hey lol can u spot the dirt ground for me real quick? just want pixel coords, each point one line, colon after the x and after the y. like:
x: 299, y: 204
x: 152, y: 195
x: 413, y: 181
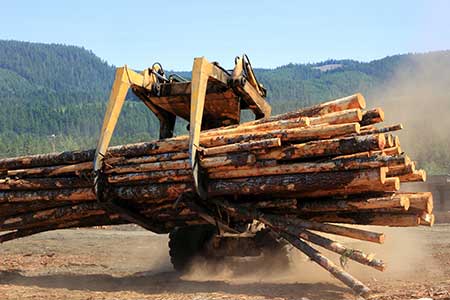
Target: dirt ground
x: 134, y: 264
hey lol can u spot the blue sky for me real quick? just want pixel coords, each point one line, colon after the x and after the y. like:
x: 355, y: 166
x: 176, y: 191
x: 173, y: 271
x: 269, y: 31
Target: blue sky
x: 272, y: 33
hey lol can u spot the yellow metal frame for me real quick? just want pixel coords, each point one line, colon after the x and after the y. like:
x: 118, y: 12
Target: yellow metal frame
x: 202, y: 72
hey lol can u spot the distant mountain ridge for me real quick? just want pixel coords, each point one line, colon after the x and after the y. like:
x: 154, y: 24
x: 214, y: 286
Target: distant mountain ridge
x: 53, y: 89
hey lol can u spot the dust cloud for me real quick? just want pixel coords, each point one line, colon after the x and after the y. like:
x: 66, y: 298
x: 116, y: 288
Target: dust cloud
x: 405, y: 253
x: 418, y: 96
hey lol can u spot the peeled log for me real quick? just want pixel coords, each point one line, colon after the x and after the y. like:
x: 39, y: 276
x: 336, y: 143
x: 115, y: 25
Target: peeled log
x: 146, y: 159
x: 268, y: 126
x: 421, y: 201
x: 44, y: 183
x: 352, y: 205
x: 53, y: 170
x: 367, y: 218
x: 339, y: 146
x: 339, y: 117
x: 156, y: 166
x: 383, y: 129
x: 353, y: 101
x: 390, y: 184
x: 48, y: 215
x: 294, y: 134
x: 237, y: 159
x: 153, y: 177
x: 418, y: 175
x: 311, y: 167
x: 239, y: 147
x: 401, y: 169
x: 299, y: 183
x: 77, y: 194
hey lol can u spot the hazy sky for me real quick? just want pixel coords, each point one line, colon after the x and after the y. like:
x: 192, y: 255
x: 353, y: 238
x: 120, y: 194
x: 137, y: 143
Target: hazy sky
x: 272, y: 33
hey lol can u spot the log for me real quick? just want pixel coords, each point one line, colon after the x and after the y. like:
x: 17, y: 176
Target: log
x: 73, y: 212
x: 268, y: 126
x: 354, y: 254
x: 75, y: 194
x: 311, y: 167
x: 390, y: 184
x: 368, y: 218
x: 83, y: 222
x: 388, y: 151
x: 293, y: 134
x: 401, y: 169
x: 156, y: 166
x: 339, y: 117
x: 389, y: 140
x: 372, y: 116
x: 339, y: 146
x: 152, y: 177
x: 353, y: 204
x: 418, y: 175
x: 240, y: 147
x: 278, y: 222
x: 383, y: 129
x: 121, y: 160
x: 357, y: 286
x: 299, y: 183
x: 350, y: 102
x: 426, y: 219
x: 44, y: 183
x: 237, y: 159
x: 268, y: 204
x: 52, y: 170
x: 421, y: 201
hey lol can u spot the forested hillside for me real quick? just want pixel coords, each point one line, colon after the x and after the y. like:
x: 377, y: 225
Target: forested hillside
x: 54, y: 96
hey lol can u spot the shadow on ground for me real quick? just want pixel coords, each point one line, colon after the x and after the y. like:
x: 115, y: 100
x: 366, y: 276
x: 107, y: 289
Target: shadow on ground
x: 171, y: 282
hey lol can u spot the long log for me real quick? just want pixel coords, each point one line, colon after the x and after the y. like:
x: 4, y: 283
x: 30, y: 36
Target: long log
x: 328, y: 265
x: 45, y: 183
x: 236, y: 159
x: 350, y: 102
x: 311, y: 167
x: 74, y: 194
x: 73, y: 212
x: 339, y: 117
x: 82, y: 222
x: 390, y: 184
x: 401, y: 169
x: 418, y: 175
x: 239, y: 147
x: 354, y: 254
x: 383, y: 129
x: 294, y: 134
x: 156, y: 166
x: 333, y: 147
x: 352, y: 205
x: 277, y: 221
x: 367, y: 218
x: 52, y: 170
x: 121, y: 160
x: 268, y: 126
x: 299, y: 183
x: 152, y: 177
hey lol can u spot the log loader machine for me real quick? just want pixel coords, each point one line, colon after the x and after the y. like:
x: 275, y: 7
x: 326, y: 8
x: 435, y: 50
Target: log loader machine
x: 214, y: 97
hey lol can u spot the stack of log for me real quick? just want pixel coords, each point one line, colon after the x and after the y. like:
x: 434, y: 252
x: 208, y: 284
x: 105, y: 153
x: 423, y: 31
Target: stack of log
x: 294, y: 172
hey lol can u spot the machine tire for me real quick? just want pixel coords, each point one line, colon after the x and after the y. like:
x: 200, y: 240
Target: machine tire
x: 185, y: 243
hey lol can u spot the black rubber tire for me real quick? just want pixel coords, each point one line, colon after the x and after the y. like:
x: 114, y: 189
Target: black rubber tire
x: 185, y: 243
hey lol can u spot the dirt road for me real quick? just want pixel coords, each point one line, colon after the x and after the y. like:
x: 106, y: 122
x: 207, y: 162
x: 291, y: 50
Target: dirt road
x: 134, y: 264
